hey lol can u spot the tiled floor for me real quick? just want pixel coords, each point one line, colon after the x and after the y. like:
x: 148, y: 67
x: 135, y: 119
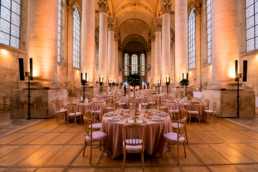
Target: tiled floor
x: 250, y: 123
x: 48, y: 146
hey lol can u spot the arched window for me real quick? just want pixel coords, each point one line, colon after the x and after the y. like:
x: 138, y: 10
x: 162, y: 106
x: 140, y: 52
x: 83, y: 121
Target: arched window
x: 209, y: 41
x: 134, y: 64
x: 10, y: 15
x: 76, y: 38
x: 251, y: 16
x: 191, y: 40
x: 142, y: 62
x: 126, y: 64
x: 59, y: 30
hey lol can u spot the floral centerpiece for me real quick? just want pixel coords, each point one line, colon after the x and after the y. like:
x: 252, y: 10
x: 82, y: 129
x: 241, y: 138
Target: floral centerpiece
x: 134, y: 80
x: 184, y: 82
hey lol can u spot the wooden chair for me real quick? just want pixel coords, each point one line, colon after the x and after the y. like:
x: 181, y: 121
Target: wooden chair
x: 72, y: 113
x: 178, y: 116
x: 108, y: 108
x: 92, y: 136
x: 194, y: 111
x: 173, y: 110
x: 97, y: 110
x: 178, y: 137
x: 163, y: 108
x: 133, y: 142
x: 211, y: 113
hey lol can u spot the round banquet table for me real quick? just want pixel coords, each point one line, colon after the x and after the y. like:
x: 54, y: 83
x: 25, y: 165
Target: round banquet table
x: 153, y: 133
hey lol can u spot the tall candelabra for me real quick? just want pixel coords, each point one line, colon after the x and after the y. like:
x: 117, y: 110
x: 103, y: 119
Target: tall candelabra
x: 167, y: 82
x: 83, y: 82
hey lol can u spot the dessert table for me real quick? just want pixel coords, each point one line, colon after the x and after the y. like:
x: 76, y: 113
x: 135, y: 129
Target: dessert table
x: 156, y: 126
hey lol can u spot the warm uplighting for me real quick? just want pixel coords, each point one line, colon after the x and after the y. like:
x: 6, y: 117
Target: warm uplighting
x: 4, y: 52
x: 231, y: 71
x: 35, y: 73
x: 232, y: 74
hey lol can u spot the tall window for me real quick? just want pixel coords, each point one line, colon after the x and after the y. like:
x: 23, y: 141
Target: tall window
x: 191, y: 40
x: 59, y: 31
x: 10, y: 15
x: 134, y: 64
x: 126, y: 64
x: 76, y: 38
x: 142, y: 62
x: 209, y: 48
x: 251, y: 25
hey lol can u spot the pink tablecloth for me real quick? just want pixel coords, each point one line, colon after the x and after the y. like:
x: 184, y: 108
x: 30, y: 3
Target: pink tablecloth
x: 153, y: 136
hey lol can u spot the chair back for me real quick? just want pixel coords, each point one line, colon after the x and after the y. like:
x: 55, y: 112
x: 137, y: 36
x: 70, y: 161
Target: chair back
x: 88, y: 127
x: 207, y: 103
x: 183, y: 113
x: 71, y: 108
x: 181, y: 130
x: 195, y: 103
x: 98, y: 105
x: 134, y: 135
x: 214, y: 107
x: 194, y: 107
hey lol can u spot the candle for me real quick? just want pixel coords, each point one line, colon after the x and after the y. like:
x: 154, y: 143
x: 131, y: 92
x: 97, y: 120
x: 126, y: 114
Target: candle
x: 182, y: 75
x: 86, y: 77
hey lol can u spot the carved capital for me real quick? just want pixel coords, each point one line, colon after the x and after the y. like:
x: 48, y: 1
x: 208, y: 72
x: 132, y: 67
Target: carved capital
x: 165, y: 7
x: 111, y: 23
x: 197, y: 7
x: 103, y: 6
x: 70, y: 4
x: 158, y: 24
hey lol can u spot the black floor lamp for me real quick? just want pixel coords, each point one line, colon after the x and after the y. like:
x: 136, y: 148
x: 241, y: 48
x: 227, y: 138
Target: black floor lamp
x: 30, y: 77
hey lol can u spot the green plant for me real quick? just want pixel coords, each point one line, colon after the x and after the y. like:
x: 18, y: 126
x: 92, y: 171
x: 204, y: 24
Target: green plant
x: 184, y: 82
x: 117, y: 84
x: 113, y: 83
x: 134, y: 80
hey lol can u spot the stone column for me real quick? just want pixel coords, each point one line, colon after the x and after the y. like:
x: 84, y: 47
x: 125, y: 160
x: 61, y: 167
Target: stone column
x: 111, y: 53
x: 152, y: 59
x: 103, y: 35
x: 88, y: 39
x: 165, y: 8
x: 158, y: 63
x: 42, y: 38
x: 225, y: 39
x: 181, y: 44
x: 120, y: 63
x: 116, y: 58
x: 198, y: 36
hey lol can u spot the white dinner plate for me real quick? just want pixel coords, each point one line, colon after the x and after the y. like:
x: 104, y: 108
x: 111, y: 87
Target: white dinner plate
x: 115, y: 119
x: 131, y: 121
x: 157, y: 119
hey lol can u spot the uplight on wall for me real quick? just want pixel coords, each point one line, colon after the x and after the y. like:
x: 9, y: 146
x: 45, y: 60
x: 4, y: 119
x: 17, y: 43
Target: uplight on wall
x: 4, y: 52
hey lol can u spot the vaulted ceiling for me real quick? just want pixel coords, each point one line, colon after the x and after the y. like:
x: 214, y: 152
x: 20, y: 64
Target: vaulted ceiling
x: 135, y: 19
